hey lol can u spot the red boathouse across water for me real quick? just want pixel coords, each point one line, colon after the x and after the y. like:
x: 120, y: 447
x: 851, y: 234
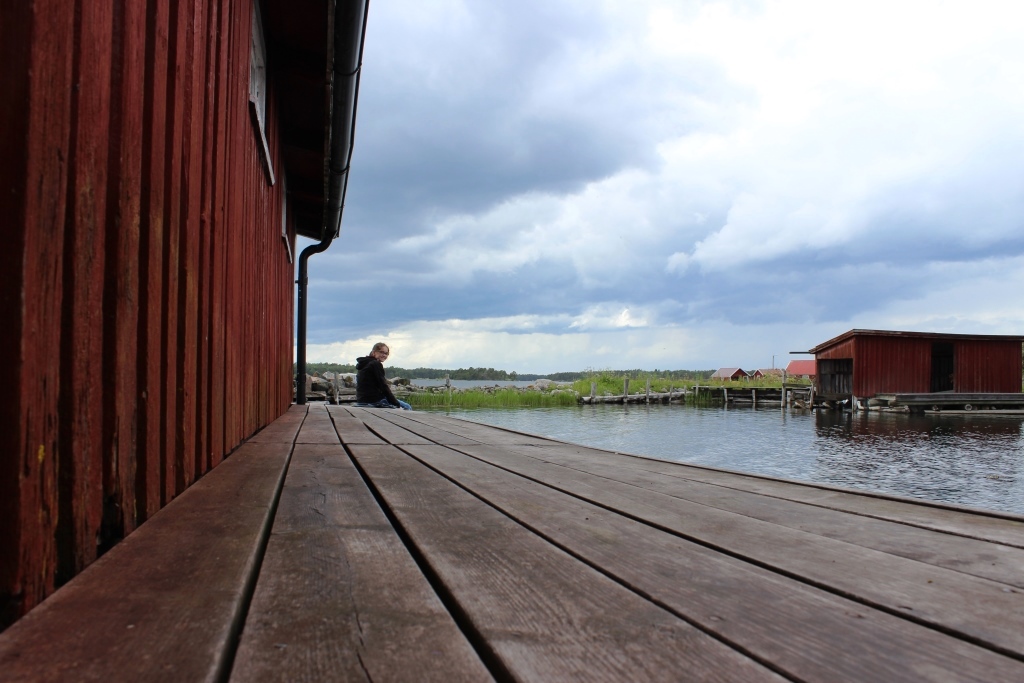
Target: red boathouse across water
x: 865, y: 363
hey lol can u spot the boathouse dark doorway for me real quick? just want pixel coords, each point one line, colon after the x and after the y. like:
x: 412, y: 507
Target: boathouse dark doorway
x: 835, y: 377
x: 942, y: 366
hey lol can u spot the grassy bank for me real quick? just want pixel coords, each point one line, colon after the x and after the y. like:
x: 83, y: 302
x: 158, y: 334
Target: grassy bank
x: 612, y: 383
x: 499, y: 398
x: 607, y: 383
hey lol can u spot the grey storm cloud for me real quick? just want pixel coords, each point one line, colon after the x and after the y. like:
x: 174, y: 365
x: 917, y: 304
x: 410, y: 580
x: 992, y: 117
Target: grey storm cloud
x: 459, y: 126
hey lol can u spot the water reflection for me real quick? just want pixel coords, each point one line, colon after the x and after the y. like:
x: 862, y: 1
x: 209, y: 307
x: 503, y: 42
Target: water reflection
x: 970, y: 460
x: 967, y: 460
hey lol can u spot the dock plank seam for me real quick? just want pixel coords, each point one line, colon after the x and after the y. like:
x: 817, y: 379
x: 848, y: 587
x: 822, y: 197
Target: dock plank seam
x: 223, y: 671
x: 683, y: 467
x: 938, y: 505
x: 583, y: 553
x: 767, y: 663
x: 701, y: 500
x: 994, y: 514
x: 397, y: 419
x: 495, y: 667
x: 742, y: 506
x: 881, y: 518
x: 168, y: 602
x: 651, y: 462
x: 834, y: 590
x: 934, y: 622
x: 747, y: 503
x: 543, y: 609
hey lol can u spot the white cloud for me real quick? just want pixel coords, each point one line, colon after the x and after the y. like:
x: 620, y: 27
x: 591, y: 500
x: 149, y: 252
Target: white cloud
x: 611, y: 316
x: 677, y: 263
x: 463, y: 343
x: 849, y: 110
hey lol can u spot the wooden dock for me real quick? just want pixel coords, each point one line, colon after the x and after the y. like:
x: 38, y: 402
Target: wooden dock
x: 349, y: 544
x: 950, y: 402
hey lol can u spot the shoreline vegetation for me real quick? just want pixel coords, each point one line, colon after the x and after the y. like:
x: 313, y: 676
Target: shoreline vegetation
x: 551, y: 390
x: 554, y: 394
x: 490, y: 374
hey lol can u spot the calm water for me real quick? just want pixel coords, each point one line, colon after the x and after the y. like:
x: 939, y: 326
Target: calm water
x: 975, y: 461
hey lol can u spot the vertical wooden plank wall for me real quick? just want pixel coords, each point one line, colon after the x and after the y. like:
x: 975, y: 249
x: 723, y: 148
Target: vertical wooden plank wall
x: 35, y: 102
x: 146, y: 293
x: 986, y: 366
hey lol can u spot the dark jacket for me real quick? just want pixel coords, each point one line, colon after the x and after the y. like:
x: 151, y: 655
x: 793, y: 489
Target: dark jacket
x: 371, y: 385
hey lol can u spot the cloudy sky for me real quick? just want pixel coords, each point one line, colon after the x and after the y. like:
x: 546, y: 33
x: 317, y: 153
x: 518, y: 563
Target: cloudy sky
x: 549, y: 185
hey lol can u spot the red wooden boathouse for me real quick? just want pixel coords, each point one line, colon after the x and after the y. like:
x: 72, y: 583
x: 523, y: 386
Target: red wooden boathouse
x: 865, y: 363
x: 159, y: 158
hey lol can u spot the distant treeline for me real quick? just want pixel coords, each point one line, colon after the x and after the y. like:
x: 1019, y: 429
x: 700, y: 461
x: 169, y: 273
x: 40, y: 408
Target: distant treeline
x: 321, y: 368
x: 502, y: 375
x: 461, y: 373
x: 423, y: 373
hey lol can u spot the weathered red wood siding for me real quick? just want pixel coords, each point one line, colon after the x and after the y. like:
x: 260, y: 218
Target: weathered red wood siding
x: 903, y: 364
x: 146, y: 293
x: 891, y: 364
x: 843, y: 349
x: 987, y: 366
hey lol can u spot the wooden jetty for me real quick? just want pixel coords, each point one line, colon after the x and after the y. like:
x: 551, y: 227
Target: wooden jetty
x: 951, y: 402
x: 697, y: 394
x: 343, y: 543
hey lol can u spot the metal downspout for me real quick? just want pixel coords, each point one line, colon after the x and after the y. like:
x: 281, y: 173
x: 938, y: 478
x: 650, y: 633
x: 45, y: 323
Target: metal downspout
x: 347, y: 61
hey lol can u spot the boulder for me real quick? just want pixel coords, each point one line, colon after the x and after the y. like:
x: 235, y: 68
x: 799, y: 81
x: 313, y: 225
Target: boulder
x: 543, y: 383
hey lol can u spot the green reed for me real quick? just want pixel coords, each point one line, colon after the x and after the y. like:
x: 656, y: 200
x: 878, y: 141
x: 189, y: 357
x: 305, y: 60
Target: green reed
x: 612, y: 384
x: 500, y: 398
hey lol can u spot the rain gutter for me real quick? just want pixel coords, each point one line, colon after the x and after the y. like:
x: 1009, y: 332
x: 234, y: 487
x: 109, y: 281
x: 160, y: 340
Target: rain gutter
x: 345, y: 54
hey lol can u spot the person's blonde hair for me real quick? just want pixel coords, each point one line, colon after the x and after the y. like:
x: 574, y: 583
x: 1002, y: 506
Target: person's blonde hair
x: 380, y: 345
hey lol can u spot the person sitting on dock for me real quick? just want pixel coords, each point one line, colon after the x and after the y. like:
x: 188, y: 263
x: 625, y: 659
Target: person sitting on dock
x: 372, y: 390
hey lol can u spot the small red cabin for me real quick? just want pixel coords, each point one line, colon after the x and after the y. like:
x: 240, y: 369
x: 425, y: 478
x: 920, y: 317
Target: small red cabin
x: 726, y: 374
x: 865, y: 363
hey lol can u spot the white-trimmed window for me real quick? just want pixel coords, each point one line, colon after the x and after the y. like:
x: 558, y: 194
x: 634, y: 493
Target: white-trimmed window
x: 258, y: 89
x: 284, y: 216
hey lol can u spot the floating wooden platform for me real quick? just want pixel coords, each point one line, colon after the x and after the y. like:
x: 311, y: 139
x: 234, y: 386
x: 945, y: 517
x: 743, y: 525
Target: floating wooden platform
x: 354, y: 544
x: 949, y: 401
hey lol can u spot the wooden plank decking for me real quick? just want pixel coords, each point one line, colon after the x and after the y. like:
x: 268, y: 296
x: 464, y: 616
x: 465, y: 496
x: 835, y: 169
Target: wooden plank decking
x: 355, y: 544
